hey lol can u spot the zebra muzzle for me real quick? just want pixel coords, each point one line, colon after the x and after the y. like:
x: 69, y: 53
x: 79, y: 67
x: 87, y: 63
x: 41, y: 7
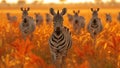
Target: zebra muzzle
x: 25, y: 20
x: 76, y: 21
x: 58, y: 29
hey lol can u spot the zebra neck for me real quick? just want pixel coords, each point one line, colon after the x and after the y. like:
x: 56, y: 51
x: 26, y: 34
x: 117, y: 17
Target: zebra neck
x: 94, y: 17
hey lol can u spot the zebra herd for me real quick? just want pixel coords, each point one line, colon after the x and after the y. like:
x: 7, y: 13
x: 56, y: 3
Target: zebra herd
x: 60, y: 40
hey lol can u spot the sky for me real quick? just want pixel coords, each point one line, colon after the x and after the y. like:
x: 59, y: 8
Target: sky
x: 58, y: 1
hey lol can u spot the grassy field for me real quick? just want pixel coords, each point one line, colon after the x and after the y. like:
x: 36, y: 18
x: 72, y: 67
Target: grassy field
x: 17, y: 53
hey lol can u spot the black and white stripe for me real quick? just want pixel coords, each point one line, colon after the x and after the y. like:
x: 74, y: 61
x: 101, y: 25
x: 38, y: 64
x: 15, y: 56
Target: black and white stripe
x: 27, y: 26
x: 95, y: 25
x: 11, y: 19
x: 70, y: 18
x: 78, y: 22
x: 60, y: 41
x: 38, y: 19
x: 48, y: 18
x: 108, y: 17
x: 118, y: 17
x: 24, y: 11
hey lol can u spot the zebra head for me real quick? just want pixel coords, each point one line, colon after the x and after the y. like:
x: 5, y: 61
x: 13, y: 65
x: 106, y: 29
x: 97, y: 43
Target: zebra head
x: 76, y: 17
x: 76, y: 13
x: 94, y: 24
x: 58, y: 19
x: 108, y: 14
x: 94, y: 12
x: 70, y: 17
x: 25, y: 11
x: 118, y: 13
x: 8, y: 16
x: 47, y: 14
x: 25, y: 22
x: 37, y: 15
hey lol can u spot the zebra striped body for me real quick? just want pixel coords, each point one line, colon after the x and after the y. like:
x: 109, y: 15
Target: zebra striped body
x: 27, y: 26
x: 108, y: 18
x: 60, y: 41
x: 39, y: 19
x: 95, y: 26
x: 118, y: 17
x: 70, y: 18
x: 11, y: 19
x: 78, y: 22
x: 48, y: 18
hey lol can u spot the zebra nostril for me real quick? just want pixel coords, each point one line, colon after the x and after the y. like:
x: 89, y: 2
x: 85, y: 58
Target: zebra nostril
x: 76, y: 21
x: 36, y: 20
x: 25, y: 20
x: 58, y: 29
x: 94, y: 21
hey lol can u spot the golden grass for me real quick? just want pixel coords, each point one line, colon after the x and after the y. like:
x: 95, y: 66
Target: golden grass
x: 17, y: 53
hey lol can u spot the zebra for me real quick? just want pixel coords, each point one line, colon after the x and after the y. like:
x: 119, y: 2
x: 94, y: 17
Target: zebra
x: 60, y: 41
x: 118, y: 17
x: 24, y: 11
x: 11, y: 19
x: 39, y: 19
x: 95, y: 25
x: 78, y: 22
x: 27, y: 26
x: 108, y: 17
x: 70, y: 17
x: 48, y: 18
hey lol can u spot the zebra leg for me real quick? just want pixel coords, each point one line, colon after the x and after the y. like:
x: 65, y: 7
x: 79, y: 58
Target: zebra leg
x: 64, y: 62
x: 64, y: 56
x: 31, y: 36
x: 24, y: 36
x: 79, y: 31
x: 58, y: 61
x: 53, y: 59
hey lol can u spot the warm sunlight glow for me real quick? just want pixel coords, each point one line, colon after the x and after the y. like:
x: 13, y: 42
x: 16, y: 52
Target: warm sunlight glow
x: 58, y: 1
x: 79, y: 1
x: 106, y: 1
x: 39, y: 1
x: 0, y: 1
x: 29, y: 1
x: 51, y: 1
x: 12, y: 1
x: 118, y: 1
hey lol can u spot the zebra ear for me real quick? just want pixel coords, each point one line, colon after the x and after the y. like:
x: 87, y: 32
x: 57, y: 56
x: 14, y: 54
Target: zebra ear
x: 74, y: 11
x: 21, y: 8
x: 92, y: 9
x: 105, y: 13
x: 64, y: 10
x: 28, y: 9
x: 78, y: 11
x: 7, y: 13
x: 38, y: 13
x: 52, y: 11
x: 97, y: 9
x: 35, y: 13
